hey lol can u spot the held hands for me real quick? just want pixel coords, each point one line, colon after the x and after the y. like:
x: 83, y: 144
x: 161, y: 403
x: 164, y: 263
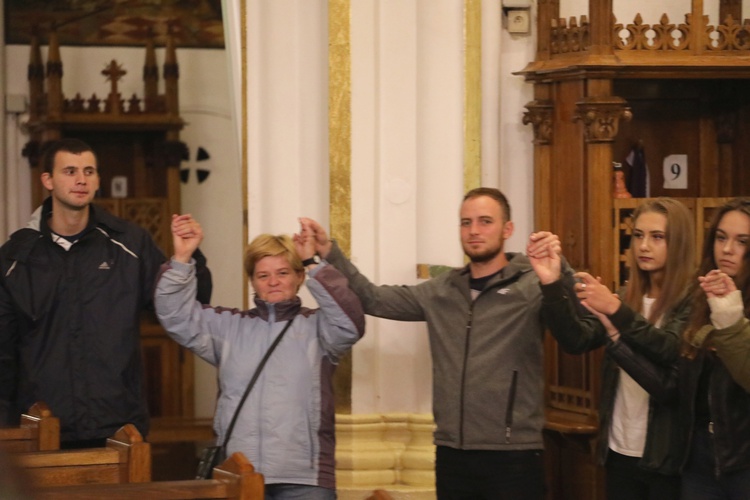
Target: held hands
x: 724, y: 300
x: 318, y: 235
x: 717, y: 284
x: 543, y: 250
x: 187, y: 234
x: 304, y: 242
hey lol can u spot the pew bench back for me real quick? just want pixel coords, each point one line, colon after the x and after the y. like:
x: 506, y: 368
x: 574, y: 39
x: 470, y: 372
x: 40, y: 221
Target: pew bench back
x: 126, y: 458
x: 235, y: 479
x: 39, y: 430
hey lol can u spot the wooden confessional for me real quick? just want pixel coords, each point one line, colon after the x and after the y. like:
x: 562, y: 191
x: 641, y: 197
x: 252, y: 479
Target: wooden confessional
x: 603, y: 88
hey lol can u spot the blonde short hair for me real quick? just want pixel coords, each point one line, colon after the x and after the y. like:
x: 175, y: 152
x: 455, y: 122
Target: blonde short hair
x: 269, y: 245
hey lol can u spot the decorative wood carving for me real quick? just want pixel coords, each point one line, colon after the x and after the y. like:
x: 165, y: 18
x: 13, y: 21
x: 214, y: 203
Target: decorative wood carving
x: 539, y: 115
x: 573, y: 38
x: 662, y: 36
x: 601, y: 117
x: 729, y: 36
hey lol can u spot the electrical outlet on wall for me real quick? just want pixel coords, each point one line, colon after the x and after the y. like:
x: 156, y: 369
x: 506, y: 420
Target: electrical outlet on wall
x: 518, y: 20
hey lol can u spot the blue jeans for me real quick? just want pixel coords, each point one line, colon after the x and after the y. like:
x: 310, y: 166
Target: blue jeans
x: 489, y: 474
x: 298, y: 492
x: 699, y: 481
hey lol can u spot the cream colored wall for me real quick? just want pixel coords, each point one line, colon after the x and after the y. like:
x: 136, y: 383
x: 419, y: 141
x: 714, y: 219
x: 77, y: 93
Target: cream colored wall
x: 407, y: 151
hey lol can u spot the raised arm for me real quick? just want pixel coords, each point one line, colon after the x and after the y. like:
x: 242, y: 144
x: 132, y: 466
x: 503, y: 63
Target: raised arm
x: 731, y: 337
x: 543, y: 250
x: 658, y: 380
x: 658, y: 343
x: 196, y: 327
x: 385, y: 301
x: 187, y: 234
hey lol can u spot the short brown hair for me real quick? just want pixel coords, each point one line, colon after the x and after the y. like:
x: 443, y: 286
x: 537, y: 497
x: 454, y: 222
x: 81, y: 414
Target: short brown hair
x: 68, y: 145
x: 493, y: 193
x: 269, y: 245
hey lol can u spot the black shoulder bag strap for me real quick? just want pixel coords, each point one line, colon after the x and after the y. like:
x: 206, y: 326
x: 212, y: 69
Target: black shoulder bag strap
x: 252, y: 382
x: 214, y: 455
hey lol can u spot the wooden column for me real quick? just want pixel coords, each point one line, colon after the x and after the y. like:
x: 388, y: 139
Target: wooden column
x: 600, y: 17
x: 539, y: 114
x: 600, y: 113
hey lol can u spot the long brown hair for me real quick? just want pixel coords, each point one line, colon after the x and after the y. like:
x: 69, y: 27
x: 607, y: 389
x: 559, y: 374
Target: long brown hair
x: 701, y: 312
x: 678, y: 268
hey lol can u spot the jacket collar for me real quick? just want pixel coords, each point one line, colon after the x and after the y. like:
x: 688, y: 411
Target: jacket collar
x: 517, y: 264
x: 98, y: 217
x: 281, y: 311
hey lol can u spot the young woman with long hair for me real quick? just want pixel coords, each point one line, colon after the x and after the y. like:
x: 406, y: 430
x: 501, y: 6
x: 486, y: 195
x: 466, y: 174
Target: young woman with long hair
x: 635, y: 432
x: 712, y: 376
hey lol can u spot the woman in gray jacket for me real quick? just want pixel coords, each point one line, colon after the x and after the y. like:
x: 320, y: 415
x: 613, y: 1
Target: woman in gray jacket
x: 286, y: 425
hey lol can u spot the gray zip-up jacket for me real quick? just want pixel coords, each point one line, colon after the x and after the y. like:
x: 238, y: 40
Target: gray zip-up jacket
x: 487, y: 353
x: 286, y: 425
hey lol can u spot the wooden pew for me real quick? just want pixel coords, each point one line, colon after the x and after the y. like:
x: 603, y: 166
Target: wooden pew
x: 234, y: 479
x: 39, y: 430
x: 125, y: 459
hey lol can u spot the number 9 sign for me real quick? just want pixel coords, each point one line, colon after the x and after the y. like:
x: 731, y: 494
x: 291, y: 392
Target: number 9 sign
x: 675, y: 172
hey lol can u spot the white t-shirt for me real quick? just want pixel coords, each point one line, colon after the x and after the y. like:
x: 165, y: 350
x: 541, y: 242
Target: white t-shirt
x: 627, y: 433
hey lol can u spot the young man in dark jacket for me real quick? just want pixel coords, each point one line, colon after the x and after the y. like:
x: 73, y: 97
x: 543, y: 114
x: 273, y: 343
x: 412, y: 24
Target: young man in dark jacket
x: 72, y: 286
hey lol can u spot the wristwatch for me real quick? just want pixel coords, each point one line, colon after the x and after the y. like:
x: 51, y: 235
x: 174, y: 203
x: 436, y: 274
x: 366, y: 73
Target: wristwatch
x: 311, y: 261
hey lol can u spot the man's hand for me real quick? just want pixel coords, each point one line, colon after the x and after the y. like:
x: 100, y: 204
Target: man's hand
x: 543, y: 250
x: 187, y: 234
x: 318, y: 233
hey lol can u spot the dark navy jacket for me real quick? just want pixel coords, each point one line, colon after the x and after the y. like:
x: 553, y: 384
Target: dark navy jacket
x: 69, y: 324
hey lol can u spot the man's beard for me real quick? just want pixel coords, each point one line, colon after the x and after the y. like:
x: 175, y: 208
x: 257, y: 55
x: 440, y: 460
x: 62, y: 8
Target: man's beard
x: 486, y: 256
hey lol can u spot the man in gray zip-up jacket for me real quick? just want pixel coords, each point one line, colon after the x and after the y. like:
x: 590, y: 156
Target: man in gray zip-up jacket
x: 486, y: 337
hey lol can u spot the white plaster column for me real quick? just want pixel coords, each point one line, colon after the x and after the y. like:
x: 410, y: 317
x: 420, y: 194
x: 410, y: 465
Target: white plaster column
x: 287, y: 138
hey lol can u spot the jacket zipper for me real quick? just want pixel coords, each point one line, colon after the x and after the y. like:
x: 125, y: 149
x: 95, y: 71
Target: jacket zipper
x: 271, y: 322
x: 511, y: 403
x: 463, y: 377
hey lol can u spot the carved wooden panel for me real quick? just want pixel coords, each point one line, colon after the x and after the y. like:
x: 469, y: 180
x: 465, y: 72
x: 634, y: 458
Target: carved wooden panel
x: 573, y: 35
x: 152, y: 214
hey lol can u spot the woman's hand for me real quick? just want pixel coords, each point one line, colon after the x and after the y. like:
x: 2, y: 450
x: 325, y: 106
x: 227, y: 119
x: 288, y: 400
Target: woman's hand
x: 612, y: 331
x: 304, y: 242
x: 319, y: 236
x: 595, y: 296
x: 187, y: 234
x: 717, y: 284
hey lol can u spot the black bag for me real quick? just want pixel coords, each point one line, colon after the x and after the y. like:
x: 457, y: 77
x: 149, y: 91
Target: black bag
x: 212, y: 456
